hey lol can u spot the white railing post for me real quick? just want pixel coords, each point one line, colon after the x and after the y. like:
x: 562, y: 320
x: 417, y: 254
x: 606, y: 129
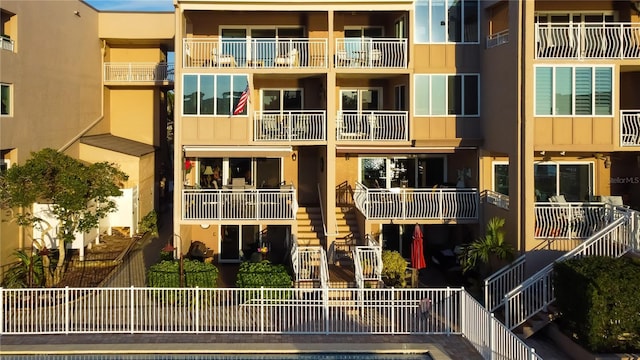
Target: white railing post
x: 325, y: 305
x: 262, y: 309
x: 441, y: 204
x: 67, y: 315
x: 492, y: 337
x: 132, y: 308
x: 393, y: 306
x: 197, y: 312
x: 448, y: 311
x: 463, y: 310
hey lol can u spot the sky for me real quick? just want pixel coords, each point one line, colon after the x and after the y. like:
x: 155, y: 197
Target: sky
x: 132, y: 5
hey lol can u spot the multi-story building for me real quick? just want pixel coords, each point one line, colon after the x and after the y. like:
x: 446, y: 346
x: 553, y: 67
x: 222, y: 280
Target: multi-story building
x: 365, y: 117
x: 92, y: 84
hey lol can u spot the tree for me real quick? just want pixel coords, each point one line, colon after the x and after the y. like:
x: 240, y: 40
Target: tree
x: 68, y: 185
x: 488, y: 249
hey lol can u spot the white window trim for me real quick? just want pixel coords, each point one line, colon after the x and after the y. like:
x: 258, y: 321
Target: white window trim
x: 10, y: 86
x: 493, y: 172
x: 418, y: 21
x: 359, y: 89
x: 282, y: 90
x: 560, y: 163
x: 571, y: 14
x: 197, y: 114
x: 573, y: 89
x: 446, y: 95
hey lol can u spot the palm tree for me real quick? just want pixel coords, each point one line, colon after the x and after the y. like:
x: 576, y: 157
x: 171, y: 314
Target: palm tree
x: 488, y: 249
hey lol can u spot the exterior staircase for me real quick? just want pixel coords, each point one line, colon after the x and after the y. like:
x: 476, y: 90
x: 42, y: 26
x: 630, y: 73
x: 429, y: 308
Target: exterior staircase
x: 348, y: 238
x: 310, y: 227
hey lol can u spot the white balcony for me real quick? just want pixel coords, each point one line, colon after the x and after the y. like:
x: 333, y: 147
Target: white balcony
x: 254, y: 53
x: 497, y: 39
x: 571, y: 220
x: 371, y: 53
x: 6, y: 43
x: 298, y: 125
x: 588, y: 41
x: 630, y: 128
x: 239, y: 204
x: 372, y: 126
x: 137, y: 72
x: 423, y: 204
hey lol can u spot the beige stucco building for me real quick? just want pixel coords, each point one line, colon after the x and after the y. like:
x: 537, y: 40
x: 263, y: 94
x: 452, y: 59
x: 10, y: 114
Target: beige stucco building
x: 92, y: 84
x: 367, y: 117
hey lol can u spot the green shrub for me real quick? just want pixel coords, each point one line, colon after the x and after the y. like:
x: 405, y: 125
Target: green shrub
x: 262, y: 274
x: 598, y: 302
x: 27, y: 272
x: 196, y: 273
x: 394, y: 267
x: 149, y: 223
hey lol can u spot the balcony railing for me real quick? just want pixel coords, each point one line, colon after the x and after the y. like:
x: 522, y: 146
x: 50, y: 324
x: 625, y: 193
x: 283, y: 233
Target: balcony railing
x: 496, y: 198
x: 371, y: 53
x: 497, y: 39
x: 401, y: 203
x: 298, y: 125
x: 588, y: 41
x: 372, y: 126
x: 133, y: 72
x: 6, y: 43
x: 630, y: 128
x: 233, y: 204
x: 255, y: 53
x: 569, y: 220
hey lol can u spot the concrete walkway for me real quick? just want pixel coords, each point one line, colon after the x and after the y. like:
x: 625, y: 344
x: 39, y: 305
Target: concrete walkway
x: 439, y: 347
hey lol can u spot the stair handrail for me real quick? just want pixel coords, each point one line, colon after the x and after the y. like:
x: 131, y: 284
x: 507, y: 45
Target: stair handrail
x: 361, y: 198
x: 295, y: 266
x: 324, y: 269
x: 357, y: 270
x: 502, y: 281
x: 324, y: 222
x: 542, y: 279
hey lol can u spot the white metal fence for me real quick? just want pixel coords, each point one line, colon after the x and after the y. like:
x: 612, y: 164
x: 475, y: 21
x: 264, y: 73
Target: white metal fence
x: 410, y: 203
x: 371, y: 53
x: 496, y: 198
x: 630, y: 128
x: 6, y: 43
x: 497, y: 39
x: 240, y: 204
x: 588, y: 41
x: 298, y: 125
x: 570, y: 220
x: 372, y: 125
x: 489, y: 336
x: 502, y: 281
x: 261, y: 310
x: 537, y: 292
x: 132, y: 72
x: 262, y: 53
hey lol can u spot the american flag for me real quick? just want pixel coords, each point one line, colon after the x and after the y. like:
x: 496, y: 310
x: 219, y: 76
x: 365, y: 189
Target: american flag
x: 242, y: 103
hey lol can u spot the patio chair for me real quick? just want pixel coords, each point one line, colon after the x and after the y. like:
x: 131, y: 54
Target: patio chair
x: 290, y: 59
x: 375, y: 57
x: 342, y: 59
x: 222, y: 60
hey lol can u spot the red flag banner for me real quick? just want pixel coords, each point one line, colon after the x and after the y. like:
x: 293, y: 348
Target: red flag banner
x: 242, y: 103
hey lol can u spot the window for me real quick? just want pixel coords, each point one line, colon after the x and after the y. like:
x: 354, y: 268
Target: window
x: 573, y: 180
x: 394, y: 172
x: 574, y: 91
x: 5, y: 99
x: 215, y: 95
x: 360, y: 100
x: 281, y: 99
x: 501, y: 177
x: 217, y: 173
x: 4, y: 165
x: 440, y: 95
x: 447, y: 21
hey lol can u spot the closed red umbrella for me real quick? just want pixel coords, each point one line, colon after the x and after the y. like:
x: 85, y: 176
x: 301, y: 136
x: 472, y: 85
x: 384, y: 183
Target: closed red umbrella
x: 417, y: 252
